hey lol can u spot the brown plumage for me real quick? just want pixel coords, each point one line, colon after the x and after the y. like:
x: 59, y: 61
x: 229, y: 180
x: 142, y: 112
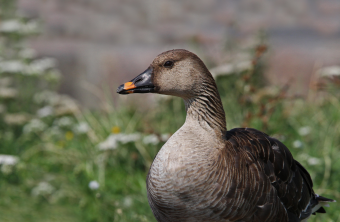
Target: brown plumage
x: 206, y: 173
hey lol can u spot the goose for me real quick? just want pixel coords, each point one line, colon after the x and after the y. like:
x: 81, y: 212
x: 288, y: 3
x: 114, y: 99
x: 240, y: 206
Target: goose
x: 205, y: 172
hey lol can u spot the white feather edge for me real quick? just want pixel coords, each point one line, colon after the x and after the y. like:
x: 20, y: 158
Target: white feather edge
x: 317, y: 207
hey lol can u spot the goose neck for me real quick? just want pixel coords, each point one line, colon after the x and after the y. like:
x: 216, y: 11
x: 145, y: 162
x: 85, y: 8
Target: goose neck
x: 206, y: 110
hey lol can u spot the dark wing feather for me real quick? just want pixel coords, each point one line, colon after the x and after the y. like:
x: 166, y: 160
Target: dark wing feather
x: 282, y: 187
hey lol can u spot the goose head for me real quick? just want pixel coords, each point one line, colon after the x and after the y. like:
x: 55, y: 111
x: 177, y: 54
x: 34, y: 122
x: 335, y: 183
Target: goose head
x: 181, y: 73
x: 176, y: 72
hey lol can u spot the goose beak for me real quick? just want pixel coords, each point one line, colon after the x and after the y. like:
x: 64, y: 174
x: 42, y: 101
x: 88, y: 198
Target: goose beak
x: 141, y: 84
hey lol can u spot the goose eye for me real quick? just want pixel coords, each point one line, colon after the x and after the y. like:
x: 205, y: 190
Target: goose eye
x: 168, y: 64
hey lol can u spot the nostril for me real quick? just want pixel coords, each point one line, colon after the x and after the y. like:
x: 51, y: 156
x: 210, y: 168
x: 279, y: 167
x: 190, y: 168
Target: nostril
x: 138, y: 80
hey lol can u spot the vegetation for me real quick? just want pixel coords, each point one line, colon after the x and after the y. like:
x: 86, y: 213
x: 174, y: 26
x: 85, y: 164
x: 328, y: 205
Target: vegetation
x: 63, y: 163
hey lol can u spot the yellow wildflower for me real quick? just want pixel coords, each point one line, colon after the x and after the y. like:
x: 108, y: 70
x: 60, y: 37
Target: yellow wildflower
x: 61, y: 144
x: 115, y: 130
x: 69, y: 135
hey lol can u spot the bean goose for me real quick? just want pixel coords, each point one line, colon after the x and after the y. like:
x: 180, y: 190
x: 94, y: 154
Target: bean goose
x: 206, y: 173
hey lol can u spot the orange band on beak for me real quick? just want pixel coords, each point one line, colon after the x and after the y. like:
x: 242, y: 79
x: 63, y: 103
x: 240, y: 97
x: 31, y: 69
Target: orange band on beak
x: 129, y: 85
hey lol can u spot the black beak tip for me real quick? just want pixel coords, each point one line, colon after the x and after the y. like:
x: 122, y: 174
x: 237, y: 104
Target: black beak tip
x: 120, y: 89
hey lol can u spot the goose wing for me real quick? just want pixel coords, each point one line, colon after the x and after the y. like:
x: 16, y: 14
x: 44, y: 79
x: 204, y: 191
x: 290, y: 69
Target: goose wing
x: 267, y: 178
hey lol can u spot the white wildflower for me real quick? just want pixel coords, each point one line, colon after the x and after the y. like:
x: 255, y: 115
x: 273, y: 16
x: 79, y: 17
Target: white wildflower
x: 52, y: 75
x: 165, y: 137
x: 46, y: 63
x: 35, y: 125
x: 65, y: 105
x: 54, y: 131
x: 329, y: 71
x: 12, y: 66
x: 39, y: 66
x: 127, y: 138
x: 297, y: 144
x: 16, y: 118
x: 7, y: 163
x: 94, y: 185
x: 8, y: 160
x: 228, y: 69
x: 310, y: 160
x: 10, y: 26
x: 313, y: 161
x: 303, y: 131
x: 63, y: 121
x: 112, y: 141
x: 43, y: 188
x: 127, y: 202
x: 45, y: 111
x: 46, y: 97
x: 27, y: 53
x: 109, y: 144
x: 30, y: 27
x: 151, y: 139
x: 81, y: 128
x: 8, y: 93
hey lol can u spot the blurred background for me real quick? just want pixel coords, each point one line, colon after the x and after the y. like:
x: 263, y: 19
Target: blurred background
x: 108, y: 42
x: 72, y: 150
